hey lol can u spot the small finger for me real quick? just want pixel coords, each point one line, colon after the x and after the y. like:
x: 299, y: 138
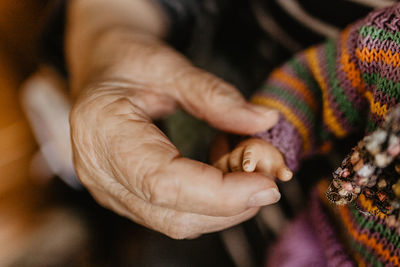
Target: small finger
x: 284, y: 174
x: 235, y: 160
x: 249, y: 159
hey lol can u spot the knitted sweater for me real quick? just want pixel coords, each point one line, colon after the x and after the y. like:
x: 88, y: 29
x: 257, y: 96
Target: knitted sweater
x: 329, y: 91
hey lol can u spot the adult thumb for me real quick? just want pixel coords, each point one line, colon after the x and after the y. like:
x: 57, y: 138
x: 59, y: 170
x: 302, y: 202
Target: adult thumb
x: 211, y: 99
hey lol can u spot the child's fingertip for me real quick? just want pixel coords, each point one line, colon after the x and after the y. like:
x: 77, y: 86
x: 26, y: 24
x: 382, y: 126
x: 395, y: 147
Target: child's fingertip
x: 286, y: 174
x: 247, y: 165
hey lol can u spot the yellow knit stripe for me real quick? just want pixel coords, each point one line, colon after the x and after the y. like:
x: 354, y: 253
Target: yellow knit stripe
x: 376, y: 107
x: 328, y: 114
x: 297, y: 85
x: 289, y: 115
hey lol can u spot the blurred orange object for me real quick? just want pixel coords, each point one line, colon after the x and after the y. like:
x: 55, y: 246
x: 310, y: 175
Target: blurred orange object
x: 16, y: 142
x: 27, y: 223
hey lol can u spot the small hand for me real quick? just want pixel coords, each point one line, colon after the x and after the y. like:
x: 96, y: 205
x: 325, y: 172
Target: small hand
x: 255, y: 155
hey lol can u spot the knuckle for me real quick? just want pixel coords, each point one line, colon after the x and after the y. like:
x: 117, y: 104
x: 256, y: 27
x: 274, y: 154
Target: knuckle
x: 161, y: 191
x: 216, y: 91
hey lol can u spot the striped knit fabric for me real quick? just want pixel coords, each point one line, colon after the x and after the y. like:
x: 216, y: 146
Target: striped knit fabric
x: 332, y: 90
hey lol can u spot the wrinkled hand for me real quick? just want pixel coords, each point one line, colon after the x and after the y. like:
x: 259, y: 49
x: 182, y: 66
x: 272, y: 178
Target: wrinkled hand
x: 255, y: 155
x: 131, y: 167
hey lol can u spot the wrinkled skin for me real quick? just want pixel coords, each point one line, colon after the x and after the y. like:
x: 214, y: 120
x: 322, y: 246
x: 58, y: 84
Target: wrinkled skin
x: 122, y: 79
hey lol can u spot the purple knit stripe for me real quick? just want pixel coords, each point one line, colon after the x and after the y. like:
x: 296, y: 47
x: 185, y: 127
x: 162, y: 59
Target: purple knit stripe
x: 385, y: 45
x: 354, y: 96
x: 335, y: 253
x: 387, y: 71
x: 332, y: 102
x: 358, y: 101
x: 298, y: 246
x: 344, y: 82
x: 286, y: 138
x: 289, y: 90
x: 375, y: 221
x: 352, y: 40
x: 383, y: 98
x: 375, y: 118
x: 371, y: 233
x: 299, y: 114
x: 387, y: 18
x: 287, y: 68
x: 286, y: 87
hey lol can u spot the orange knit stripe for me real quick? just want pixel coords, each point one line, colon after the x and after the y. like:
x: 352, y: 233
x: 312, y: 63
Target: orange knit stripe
x: 328, y: 115
x: 297, y: 85
x: 344, y: 211
x: 363, y: 238
x: 387, y: 57
x: 360, y: 261
x: 349, y: 67
x: 289, y: 115
x: 354, y: 75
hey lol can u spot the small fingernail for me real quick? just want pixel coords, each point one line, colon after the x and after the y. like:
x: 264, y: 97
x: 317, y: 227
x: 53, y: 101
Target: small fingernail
x: 265, y: 197
x: 287, y: 174
x: 268, y: 112
x: 246, y: 164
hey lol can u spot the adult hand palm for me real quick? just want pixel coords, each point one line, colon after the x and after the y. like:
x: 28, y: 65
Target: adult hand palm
x: 131, y: 167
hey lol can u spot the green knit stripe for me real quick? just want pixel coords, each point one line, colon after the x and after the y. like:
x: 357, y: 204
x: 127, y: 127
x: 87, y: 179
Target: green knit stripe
x: 290, y: 99
x: 365, y: 253
x: 341, y: 98
x: 305, y: 75
x: 365, y: 223
x: 371, y: 126
x: 380, y: 34
x: 388, y: 87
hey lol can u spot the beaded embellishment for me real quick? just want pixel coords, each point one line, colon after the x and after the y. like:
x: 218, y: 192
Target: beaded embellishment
x: 372, y: 168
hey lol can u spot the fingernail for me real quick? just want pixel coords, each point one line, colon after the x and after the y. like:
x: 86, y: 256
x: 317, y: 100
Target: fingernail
x: 287, y: 174
x: 268, y: 112
x: 265, y: 197
x: 246, y: 165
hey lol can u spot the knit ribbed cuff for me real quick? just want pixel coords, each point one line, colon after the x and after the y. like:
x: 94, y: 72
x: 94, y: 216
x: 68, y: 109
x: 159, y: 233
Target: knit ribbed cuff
x: 286, y: 138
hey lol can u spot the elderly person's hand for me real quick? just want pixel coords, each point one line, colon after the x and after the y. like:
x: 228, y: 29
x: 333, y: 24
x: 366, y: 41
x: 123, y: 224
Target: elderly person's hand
x: 123, y: 77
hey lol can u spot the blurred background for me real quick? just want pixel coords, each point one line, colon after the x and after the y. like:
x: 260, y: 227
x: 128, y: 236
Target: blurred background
x: 44, y: 222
